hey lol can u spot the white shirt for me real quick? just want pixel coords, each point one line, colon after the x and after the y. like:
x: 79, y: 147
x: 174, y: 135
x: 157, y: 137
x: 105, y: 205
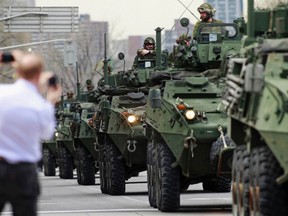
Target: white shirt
x: 26, y: 118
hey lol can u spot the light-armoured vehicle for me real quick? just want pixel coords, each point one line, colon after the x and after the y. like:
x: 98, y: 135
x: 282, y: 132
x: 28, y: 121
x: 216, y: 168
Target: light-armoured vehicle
x: 83, y: 133
x: 50, y: 156
x: 184, y: 122
x: 64, y: 139
x: 256, y: 101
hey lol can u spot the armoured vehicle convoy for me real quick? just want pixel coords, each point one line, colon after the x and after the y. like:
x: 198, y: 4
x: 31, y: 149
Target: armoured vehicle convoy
x: 256, y: 100
x: 185, y: 124
x: 118, y: 123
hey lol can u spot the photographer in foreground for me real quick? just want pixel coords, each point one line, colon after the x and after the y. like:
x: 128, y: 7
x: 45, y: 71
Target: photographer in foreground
x: 25, y: 119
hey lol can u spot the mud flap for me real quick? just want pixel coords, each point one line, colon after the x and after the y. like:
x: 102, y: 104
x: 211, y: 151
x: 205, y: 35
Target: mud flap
x: 225, y: 162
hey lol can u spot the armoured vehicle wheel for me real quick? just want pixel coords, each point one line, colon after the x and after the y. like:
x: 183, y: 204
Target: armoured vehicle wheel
x: 266, y: 196
x: 49, y: 163
x: 168, y: 180
x: 102, y: 168
x: 184, y: 185
x: 235, y: 181
x: 151, y: 175
x: 208, y: 185
x: 65, y: 163
x: 240, y: 178
x: 85, y: 167
x: 220, y: 183
x: 115, y: 171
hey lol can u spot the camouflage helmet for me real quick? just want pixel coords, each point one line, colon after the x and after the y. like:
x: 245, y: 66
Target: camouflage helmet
x: 207, y: 8
x: 70, y: 94
x: 149, y: 40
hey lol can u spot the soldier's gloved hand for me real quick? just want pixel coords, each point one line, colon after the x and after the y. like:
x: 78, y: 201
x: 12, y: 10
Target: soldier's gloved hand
x: 144, y: 52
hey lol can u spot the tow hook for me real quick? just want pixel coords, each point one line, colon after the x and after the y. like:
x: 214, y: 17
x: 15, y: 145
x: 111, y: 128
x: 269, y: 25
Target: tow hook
x: 222, y: 136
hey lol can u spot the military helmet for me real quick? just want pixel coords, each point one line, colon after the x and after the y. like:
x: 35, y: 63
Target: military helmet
x: 69, y: 94
x: 88, y: 82
x: 149, y: 40
x: 207, y: 8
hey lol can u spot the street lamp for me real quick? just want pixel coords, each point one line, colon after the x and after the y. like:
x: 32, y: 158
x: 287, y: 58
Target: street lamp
x: 24, y: 14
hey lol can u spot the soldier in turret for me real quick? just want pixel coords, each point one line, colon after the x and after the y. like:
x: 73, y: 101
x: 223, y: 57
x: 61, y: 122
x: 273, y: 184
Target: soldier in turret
x: 207, y: 13
x: 89, y: 85
x: 147, y: 52
x: 70, y: 95
x: 148, y: 49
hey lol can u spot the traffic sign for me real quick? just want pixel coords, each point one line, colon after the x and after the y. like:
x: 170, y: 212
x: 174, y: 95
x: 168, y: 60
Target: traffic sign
x: 41, y: 19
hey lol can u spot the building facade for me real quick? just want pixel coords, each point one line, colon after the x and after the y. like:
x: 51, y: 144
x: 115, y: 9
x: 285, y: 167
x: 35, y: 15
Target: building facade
x: 18, y: 3
x: 227, y: 10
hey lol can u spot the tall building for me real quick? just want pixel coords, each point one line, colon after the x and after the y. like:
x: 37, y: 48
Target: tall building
x: 227, y: 10
x: 18, y: 3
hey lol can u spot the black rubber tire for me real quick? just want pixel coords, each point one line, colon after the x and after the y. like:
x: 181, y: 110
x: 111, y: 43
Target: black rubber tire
x: 102, y: 169
x: 235, y: 180
x: 242, y: 169
x: 151, y: 175
x: 208, y: 185
x: 65, y: 163
x: 266, y: 196
x: 220, y: 183
x: 168, y: 181
x: 115, y: 171
x: 184, y: 185
x: 85, y: 167
x: 49, y: 163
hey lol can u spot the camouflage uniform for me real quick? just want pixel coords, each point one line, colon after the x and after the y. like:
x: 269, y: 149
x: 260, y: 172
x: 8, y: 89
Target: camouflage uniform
x: 150, y: 55
x: 207, y: 8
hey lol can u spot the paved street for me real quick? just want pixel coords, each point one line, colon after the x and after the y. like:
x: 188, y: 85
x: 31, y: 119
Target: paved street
x: 66, y: 197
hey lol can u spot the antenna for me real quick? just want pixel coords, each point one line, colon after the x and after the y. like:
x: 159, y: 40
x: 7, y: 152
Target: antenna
x: 105, y: 61
x: 77, y: 83
x: 186, y: 8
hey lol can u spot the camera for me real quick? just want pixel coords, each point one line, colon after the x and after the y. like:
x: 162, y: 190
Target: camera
x: 7, y: 57
x: 52, y: 82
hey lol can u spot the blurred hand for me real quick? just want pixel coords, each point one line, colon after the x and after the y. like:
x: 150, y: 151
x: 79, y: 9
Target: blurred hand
x: 52, y: 93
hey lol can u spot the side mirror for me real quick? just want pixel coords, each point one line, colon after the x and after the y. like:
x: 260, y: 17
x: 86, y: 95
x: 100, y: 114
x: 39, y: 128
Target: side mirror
x: 184, y: 22
x: 121, y: 56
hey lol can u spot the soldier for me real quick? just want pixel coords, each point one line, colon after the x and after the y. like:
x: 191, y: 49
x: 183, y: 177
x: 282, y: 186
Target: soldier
x: 206, y: 15
x: 89, y: 85
x: 148, y: 49
x: 147, y: 52
x: 70, y: 95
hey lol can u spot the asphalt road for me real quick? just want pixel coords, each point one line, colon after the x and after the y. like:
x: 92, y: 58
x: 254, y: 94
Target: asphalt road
x: 66, y: 197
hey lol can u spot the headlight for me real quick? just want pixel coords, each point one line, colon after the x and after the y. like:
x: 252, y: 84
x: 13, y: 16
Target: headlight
x: 56, y: 134
x: 132, y: 118
x: 189, y: 114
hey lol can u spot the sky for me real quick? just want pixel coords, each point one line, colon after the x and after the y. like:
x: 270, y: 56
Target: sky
x: 131, y: 17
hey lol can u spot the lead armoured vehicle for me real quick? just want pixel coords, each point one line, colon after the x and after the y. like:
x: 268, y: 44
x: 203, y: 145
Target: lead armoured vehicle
x: 118, y: 123
x: 185, y: 124
x: 256, y: 101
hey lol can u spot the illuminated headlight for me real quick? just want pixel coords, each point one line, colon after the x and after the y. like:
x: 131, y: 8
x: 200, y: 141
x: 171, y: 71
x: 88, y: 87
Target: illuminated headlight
x: 56, y: 134
x: 189, y: 114
x: 132, y: 118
